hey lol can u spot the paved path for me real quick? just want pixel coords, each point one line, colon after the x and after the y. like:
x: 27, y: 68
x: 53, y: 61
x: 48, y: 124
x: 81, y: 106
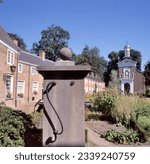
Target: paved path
x: 94, y: 133
x: 97, y: 140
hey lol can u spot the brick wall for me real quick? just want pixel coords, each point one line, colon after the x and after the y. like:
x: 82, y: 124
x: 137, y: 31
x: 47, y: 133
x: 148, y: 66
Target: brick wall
x: 139, y: 84
x: 27, y: 102
x: 5, y: 70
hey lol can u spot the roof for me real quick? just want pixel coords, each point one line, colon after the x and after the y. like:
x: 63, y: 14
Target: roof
x: 96, y: 79
x: 4, y: 37
x: 127, y: 62
x: 32, y: 59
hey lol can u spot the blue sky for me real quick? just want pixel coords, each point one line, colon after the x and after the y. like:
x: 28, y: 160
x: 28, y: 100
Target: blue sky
x: 106, y: 24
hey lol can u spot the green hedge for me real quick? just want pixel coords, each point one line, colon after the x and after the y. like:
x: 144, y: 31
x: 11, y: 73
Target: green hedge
x: 16, y: 128
x: 141, y: 119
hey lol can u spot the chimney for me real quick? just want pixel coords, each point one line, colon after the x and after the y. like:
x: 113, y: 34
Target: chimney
x: 15, y: 41
x: 42, y: 54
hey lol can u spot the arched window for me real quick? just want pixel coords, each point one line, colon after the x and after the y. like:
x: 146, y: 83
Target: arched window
x: 127, y: 74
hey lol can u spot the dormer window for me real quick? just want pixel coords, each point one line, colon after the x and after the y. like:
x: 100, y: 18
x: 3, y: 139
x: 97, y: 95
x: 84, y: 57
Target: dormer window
x: 10, y: 57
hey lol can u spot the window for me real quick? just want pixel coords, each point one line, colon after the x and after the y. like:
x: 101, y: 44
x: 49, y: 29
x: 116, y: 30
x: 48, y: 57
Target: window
x: 127, y: 74
x: 20, y: 88
x: 9, y: 86
x: 33, y: 70
x: 10, y: 57
x: 20, y: 68
x: 35, y: 86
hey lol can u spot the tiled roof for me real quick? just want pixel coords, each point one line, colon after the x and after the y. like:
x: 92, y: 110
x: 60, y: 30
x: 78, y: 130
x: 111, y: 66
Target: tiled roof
x: 7, y: 40
x: 33, y: 59
x: 24, y: 56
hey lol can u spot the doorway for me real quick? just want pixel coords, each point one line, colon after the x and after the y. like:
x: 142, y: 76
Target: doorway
x: 126, y: 88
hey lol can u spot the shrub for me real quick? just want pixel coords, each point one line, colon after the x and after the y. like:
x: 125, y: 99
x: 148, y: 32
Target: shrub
x: 147, y: 93
x: 128, y: 137
x: 93, y: 116
x: 124, y: 106
x: 17, y: 129
x: 12, y: 128
x: 105, y: 101
x: 37, y: 119
x: 141, y: 118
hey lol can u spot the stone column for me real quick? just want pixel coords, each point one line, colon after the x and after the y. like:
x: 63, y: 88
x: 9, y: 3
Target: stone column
x: 63, y: 98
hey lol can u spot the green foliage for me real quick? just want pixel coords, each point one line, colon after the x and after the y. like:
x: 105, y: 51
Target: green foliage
x: 142, y: 108
x: 52, y: 40
x: 144, y: 122
x: 17, y: 129
x: 141, y: 118
x: 114, y: 83
x: 147, y: 93
x: 147, y: 73
x: 91, y: 56
x: 128, y: 137
x: 12, y: 128
x: 37, y: 119
x: 105, y: 101
x: 93, y: 116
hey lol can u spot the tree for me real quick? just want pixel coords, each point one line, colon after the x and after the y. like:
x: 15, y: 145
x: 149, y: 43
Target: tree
x: 147, y: 73
x: 91, y: 56
x: 52, y: 40
x: 112, y: 65
x: 21, y: 43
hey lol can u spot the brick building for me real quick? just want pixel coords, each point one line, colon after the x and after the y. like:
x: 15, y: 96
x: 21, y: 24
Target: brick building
x: 93, y: 84
x: 131, y: 80
x: 9, y: 56
x: 20, y: 83
x: 30, y: 82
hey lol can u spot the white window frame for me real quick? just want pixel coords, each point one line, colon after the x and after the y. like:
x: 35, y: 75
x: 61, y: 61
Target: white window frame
x: 23, y: 87
x: 33, y: 89
x: 11, y: 86
x: 20, y: 67
x: 10, y: 57
x: 126, y: 73
x: 33, y: 70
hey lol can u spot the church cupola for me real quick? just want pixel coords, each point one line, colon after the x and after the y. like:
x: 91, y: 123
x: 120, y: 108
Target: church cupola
x: 127, y: 51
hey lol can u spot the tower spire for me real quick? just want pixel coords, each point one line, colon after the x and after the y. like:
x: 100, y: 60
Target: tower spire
x: 127, y: 50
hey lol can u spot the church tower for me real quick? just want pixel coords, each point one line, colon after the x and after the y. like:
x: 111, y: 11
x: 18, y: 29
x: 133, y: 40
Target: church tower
x: 127, y: 51
x: 131, y: 80
x: 126, y: 74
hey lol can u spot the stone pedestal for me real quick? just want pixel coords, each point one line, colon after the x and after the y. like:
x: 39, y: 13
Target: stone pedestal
x: 66, y: 107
